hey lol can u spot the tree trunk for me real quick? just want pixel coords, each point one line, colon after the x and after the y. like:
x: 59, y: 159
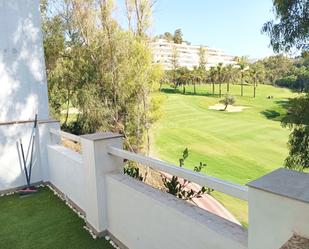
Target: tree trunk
x: 213, y: 88
x: 254, y: 89
x: 225, y: 107
x: 68, y: 108
x: 184, y: 89
x: 228, y: 87
x: 194, y: 88
x: 220, y: 89
x: 242, y: 85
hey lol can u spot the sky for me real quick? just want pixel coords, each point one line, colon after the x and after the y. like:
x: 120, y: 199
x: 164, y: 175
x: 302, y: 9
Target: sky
x: 231, y: 25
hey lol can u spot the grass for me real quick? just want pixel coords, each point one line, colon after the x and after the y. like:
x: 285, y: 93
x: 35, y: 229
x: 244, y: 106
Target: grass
x: 238, y: 147
x: 43, y: 221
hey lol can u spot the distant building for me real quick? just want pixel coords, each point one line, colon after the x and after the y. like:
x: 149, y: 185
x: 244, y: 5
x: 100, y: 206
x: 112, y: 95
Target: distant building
x: 188, y: 55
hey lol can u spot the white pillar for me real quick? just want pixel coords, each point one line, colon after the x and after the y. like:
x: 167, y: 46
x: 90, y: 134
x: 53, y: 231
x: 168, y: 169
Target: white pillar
x: 97, y: 163
x: 278, y: 207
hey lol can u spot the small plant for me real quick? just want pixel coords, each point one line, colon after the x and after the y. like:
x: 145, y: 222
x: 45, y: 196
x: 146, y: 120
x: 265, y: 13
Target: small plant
x: 227, y: 100
x: 179, y: 187
x: 133, y: 171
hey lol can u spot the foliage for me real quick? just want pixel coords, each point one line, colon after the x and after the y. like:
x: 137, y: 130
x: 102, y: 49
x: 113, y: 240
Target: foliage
x: 276, y: 67
x: 179, y: 187
x: 202, y: 58
x: 100, y: 69
x: 133, y: 172
x: 299, y: 149
x: 178, y: 36
x: 291, y: 30
x: 227, y: 100
x: 297, y: 118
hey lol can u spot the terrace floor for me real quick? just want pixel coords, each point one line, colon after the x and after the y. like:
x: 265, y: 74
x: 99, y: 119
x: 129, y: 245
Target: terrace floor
x: 43, y: 221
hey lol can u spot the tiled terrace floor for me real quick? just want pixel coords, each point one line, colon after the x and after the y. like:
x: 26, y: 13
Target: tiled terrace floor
x: 42, y: 221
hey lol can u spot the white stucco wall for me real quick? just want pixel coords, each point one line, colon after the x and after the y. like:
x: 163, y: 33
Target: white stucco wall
x: 142, y: 217
x: 66, y: 173
x: 23, y: 87
x: 22, y: 69
x: 11, y: 172
x: 273, y: 219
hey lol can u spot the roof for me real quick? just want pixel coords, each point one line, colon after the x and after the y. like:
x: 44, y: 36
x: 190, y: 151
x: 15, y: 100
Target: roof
x: 296, y: 242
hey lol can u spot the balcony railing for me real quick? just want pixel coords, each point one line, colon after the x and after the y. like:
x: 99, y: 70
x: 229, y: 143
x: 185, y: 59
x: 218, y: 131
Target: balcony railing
x: 234, y: 190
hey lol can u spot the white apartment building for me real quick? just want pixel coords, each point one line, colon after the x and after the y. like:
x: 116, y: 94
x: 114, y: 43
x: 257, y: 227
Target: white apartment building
x: 188, y: 55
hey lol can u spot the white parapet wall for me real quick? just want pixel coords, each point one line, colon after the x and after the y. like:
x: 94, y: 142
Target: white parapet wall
x: 66, y: 173
x: 278, y: 208
x: 143, y: 217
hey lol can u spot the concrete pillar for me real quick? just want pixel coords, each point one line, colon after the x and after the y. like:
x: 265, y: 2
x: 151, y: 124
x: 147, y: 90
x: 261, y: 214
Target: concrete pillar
x: 278, y: 207
x: 97, y: 163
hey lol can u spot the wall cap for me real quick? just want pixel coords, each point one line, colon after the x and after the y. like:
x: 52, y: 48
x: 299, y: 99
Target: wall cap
x: 101, y: 136
x: 284, y: 182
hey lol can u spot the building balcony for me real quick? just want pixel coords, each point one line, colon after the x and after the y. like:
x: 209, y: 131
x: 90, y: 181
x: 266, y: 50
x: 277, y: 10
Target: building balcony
x: 136, y: 215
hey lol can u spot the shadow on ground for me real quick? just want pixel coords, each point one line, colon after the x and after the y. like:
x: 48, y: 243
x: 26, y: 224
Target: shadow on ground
x: 180, y: 91
x: 274, y: 114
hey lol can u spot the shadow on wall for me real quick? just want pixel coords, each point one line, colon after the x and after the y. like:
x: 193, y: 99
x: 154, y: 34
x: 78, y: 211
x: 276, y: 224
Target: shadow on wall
x: 22, y: 80
x: 22, y: 70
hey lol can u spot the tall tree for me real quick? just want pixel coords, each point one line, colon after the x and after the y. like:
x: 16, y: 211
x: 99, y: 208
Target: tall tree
x: 110, y: 70
x: 213, y: 76
x: 175, y: 65
x: 290, y: 28
x: 257, y: 75
x: 219, y: 72
x: 139, y: 15
x: 243, y: 67
x: 202, y: 58
x: 178, y: 36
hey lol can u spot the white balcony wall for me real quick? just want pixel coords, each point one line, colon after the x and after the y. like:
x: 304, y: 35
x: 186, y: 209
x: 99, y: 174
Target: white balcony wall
x: 142, y: 217
x: 66, y: 173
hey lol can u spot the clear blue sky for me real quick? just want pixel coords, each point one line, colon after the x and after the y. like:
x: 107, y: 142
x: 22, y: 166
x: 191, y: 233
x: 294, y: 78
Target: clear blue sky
x: 232, y: 25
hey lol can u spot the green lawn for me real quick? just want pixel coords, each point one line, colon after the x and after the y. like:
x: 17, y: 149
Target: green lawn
x: 238, y: 147
x: 42, y: 221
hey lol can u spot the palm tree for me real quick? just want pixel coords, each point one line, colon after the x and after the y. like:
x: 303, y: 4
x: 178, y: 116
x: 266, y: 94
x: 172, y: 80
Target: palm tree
x: 242, y: 72
x: 242, y: 64
x: 257, y: 74
x: 212, y: 78
x: 219, y: 71
x: 229, y: 75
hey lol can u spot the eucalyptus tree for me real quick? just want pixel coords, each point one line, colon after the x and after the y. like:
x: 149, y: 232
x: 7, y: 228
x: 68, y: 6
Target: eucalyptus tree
x: 175, y: 65
x: 111, y: 68
x: 292, y: 31
x: 202, y: 58
x: 178, y: 36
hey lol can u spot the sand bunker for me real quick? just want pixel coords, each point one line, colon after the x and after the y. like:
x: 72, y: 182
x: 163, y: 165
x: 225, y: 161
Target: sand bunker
x: 230, y: 108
